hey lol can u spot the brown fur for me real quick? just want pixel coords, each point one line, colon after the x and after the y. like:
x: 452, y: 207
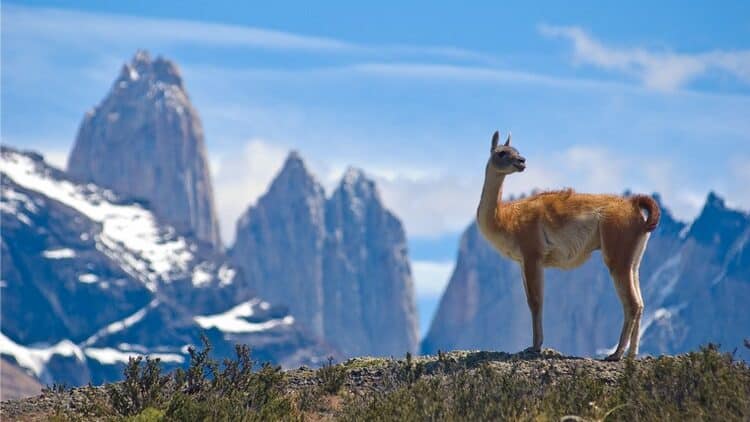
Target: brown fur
x: 561, y: 229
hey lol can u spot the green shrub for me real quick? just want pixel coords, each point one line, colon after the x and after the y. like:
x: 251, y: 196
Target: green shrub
x: 148, y: 414
x: 207, y: 392
x: 143, y: 387
x: 332, y: 377
x: 704, y: 385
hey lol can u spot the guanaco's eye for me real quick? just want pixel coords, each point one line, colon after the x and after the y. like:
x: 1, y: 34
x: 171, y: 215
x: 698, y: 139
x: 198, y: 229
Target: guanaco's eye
x: 502, y: 154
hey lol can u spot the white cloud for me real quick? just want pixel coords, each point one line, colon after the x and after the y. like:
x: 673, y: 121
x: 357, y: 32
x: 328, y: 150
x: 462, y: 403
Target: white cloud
x: 465, y: 73
x: 58, y: 158
x: 240, y: 179
x: 431, y: 205
x: 595, y: 167
x: 738, y: 191
x: 431, y: 277
x: 60, y: 25
x: 662, y: 70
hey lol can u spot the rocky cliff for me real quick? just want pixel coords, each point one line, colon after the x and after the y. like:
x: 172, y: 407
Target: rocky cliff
x: 145, y: 140
x: 339, y: 263
x: 280, y: 243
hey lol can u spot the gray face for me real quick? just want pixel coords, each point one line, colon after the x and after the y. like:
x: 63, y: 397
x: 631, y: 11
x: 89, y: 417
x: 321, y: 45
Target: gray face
x: 506, y: 159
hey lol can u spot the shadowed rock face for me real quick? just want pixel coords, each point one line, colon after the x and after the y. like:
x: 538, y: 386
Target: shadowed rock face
x: 694, y: 281
x: 280, y: 243
x: 368, y: 288
x: 145, y: 140
x: 339, y: 263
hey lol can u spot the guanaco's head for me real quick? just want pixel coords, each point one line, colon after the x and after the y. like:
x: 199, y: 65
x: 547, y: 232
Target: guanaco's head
x: 504, y: 158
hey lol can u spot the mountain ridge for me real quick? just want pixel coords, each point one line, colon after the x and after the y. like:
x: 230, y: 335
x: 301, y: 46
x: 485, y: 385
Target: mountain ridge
x: 114, y: 282
x: 686, y: 267
x: 349, y: 259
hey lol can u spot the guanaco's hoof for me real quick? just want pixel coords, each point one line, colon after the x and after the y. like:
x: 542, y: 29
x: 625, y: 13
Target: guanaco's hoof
x: 614, y: 357
x: 532, y: 349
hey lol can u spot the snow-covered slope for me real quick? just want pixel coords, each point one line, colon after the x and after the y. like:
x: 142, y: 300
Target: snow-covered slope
x: 104, y: 280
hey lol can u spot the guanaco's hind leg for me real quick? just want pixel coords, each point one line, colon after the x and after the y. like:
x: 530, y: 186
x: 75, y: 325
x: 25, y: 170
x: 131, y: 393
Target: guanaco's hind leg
x: 632, y: 309
x: 533, y: 281
x: 619, y: 252
x: 635, y: 335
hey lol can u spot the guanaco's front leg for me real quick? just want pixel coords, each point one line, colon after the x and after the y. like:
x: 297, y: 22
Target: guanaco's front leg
x: 533, y: 281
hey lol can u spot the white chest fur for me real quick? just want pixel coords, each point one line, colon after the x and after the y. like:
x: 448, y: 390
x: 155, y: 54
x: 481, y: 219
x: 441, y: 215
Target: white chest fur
x: 501, y: 241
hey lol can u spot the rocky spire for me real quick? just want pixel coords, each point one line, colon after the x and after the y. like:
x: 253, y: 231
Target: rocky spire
x: 368, y: 285
x: 340, y: 264
x: 279, y: 243
x: 145, y: 140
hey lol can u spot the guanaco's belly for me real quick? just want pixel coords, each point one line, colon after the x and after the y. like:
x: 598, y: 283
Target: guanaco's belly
x: 571, y: 245
x: 564, y: 247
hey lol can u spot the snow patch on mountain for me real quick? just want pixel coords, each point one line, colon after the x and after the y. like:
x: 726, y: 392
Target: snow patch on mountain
x: 130, y: 233
x: 59, y: 253
x: 201, y: 276
x: 226, y: 275
x: 88, y: 278
x: 234, y: 320
x: 110, y: 356
x: 118, y: 326
x: 665, y: 278
x: 35, y: 358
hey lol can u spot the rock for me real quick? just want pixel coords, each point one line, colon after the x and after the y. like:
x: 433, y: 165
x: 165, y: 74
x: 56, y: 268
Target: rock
x: 280, y: 242
x: 339, y: 263
x: 145, y: 140
x: 368, y: 289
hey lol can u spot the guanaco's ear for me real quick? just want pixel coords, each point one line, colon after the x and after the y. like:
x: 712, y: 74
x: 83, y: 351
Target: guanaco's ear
x: 507, y: 141
x: 495, y: 140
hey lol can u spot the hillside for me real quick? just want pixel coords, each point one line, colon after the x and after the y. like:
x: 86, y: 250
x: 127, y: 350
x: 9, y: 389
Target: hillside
x: 16, y: 383
x: 460, y: 385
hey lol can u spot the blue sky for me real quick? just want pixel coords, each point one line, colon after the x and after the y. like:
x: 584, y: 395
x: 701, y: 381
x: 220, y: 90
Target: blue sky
x: 650, y: 97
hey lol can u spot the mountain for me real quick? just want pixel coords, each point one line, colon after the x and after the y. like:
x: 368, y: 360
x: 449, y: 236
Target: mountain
x: 368, y: 287
x: 280, y: 242
x: 90, y: 278
x: 16, y: 383
x: 145, y: 140
x: 339, y: 263
x: 694, y: 278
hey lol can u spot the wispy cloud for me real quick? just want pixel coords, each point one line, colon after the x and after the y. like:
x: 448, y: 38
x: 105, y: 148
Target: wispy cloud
x: 661, y: 70
x: 469, y: 73
x: 78, y: 28
x: 58, y: 25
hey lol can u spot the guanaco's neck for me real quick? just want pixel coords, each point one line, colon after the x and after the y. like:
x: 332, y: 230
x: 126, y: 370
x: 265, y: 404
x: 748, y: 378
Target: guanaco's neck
x: 492, y: 192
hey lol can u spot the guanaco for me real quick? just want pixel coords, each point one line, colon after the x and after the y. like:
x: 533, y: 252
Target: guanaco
x: 561, y: 229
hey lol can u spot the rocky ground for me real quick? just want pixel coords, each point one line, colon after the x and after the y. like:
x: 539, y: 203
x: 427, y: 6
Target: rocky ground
x: 360, y: 386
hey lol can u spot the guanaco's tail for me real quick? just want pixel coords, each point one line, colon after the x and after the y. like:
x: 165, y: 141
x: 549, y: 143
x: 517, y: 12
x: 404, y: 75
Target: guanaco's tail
x: 652, y: 208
